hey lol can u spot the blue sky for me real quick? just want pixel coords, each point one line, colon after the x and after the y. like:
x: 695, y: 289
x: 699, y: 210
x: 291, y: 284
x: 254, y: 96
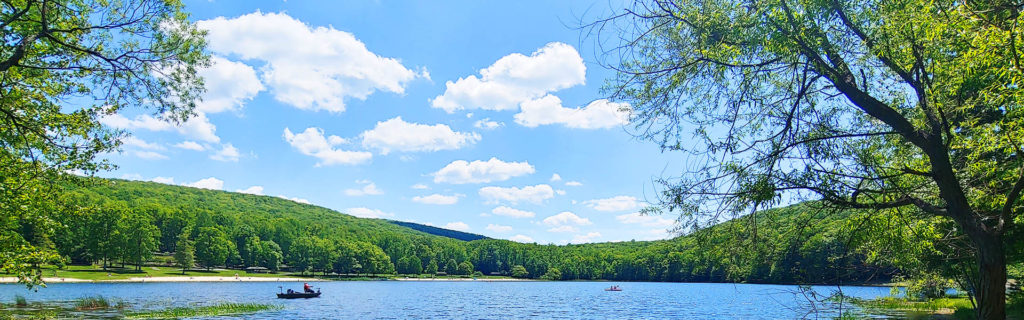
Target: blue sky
x: 485, y: 117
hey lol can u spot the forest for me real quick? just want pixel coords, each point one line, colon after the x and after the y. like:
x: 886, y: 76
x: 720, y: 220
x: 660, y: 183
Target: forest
x: 125, y: 223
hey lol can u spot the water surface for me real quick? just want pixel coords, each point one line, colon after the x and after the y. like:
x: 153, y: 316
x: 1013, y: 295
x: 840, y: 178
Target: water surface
x: 471, y: 300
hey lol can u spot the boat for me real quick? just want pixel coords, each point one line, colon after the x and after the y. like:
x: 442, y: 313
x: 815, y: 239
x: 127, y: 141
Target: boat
x: 613, y: 288
x: 298, y: 295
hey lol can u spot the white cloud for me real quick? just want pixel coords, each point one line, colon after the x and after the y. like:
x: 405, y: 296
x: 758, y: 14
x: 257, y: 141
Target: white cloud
x: 564, y: 229
x: 457, y: 226
x: 164, y: 180
x: 368, y: 213
x: 487, y: 124
x: 131, y: 141
x: 565, y: 218
x: 227, y: 153
x: 462, y: 172
x: 560, y: 192
x: 510, y: 212
x: 368, y: 189
x: 131, y: 176
x: 149, y: 155
x: 208, y: 183
x: 573, y: 184
x: 313, y: 143
x: 645, y: 220
x: 438, y: 199
x: 310, y: 68
x: 589, y: 237
x: 548, y: 110
x: 197, y: 127
x: 499, y: 228
x: 398, y: 135
x: 190, y: 145
x: 618, y: 203
x: 514, y: 79
x: 296, y: 199
x: 533, y: 194
x: 257, y: 190
x: 229, y: 85
x: 420, y: 186
x: 521, y: 238
x: 555, y: 177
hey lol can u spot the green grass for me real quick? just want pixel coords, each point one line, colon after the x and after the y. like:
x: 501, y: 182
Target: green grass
x: 207, y: 311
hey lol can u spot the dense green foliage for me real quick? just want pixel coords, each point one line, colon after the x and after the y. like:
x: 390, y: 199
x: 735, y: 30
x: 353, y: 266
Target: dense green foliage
x: 64, y: 64
x: 240, y: 230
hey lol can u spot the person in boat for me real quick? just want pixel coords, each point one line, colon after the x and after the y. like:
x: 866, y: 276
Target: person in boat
x: 306, y: 287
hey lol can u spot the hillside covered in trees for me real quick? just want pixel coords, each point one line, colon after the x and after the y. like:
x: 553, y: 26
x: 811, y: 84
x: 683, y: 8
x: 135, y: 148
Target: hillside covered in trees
x: 126, y: 222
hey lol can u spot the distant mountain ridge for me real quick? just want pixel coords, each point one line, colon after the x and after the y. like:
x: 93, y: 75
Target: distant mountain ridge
x: 454, y: 234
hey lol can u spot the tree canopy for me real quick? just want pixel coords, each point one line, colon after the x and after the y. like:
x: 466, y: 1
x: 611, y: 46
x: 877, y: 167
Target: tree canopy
x: 905, y: 107
x: 63, y: 65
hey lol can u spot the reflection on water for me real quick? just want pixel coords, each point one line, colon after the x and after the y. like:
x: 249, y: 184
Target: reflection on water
x: 473, y: 300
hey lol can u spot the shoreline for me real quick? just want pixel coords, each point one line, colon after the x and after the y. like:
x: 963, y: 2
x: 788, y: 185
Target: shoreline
x: 52, y: 280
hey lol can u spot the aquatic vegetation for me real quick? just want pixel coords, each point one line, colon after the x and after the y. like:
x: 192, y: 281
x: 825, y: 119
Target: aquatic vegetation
x: 98, y: 303
x: 20, y: 301
x: 206, y: 311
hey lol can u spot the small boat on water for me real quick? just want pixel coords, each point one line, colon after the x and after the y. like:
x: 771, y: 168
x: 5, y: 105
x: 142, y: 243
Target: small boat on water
x: 306, y: 293
x: 613, y: 288
x: 298, y: 295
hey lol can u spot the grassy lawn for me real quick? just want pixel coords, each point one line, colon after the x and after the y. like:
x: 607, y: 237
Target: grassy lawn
x: 95, y: 272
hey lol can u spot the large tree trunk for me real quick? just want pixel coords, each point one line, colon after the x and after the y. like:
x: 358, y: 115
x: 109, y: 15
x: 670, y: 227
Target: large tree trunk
x: 991, y: 283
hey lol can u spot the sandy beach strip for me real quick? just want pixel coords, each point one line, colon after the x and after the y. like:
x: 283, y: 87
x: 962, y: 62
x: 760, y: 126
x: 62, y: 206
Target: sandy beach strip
x: 50, y: 280
x: 462, y: 279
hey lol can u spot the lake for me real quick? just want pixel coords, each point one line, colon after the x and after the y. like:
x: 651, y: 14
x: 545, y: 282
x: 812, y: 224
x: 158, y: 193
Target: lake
x: 470, y: 300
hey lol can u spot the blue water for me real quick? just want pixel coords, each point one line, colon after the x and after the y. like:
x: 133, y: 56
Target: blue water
x: 470, y: 300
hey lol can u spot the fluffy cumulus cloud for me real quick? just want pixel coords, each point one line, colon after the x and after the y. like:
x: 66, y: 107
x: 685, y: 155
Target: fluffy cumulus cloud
x: 565, y: 218
x: 311, y: 68
x: 296, y: 199
x: 229, y: 85
x: 555, y: 177
x: 227, y: 153
x: 438, y: 199
x: 369, y: 189
x: 368, y: 213
x: 462, y: 172
x: 573, y: 184
x: 521, y: 238
x: 312, y: 142
x: 397, y: 135
x: 457, y: 226
x: 532, y: 194
x: 257, y: 190
x: 208, y: 183
x: 514, y: 79
x: 618, y: 203
x: 645, y: 220
x: 548, y: 110
x: 511, y: 212
x: 487, y: 124
x: 499, y: 228
x: 164, y: 180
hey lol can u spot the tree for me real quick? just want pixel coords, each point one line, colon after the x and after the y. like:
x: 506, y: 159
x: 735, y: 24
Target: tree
x: 451, y: 267
x: 905, y: 107
x: 63, y: 66
x: 141, y: 238
x: 431, y: 267
x: 409, y: 265
x: 552, y: 274
x: 184, y: 253
x: 518, y: 271
x: 465, y: 268
x: 212, y: 247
